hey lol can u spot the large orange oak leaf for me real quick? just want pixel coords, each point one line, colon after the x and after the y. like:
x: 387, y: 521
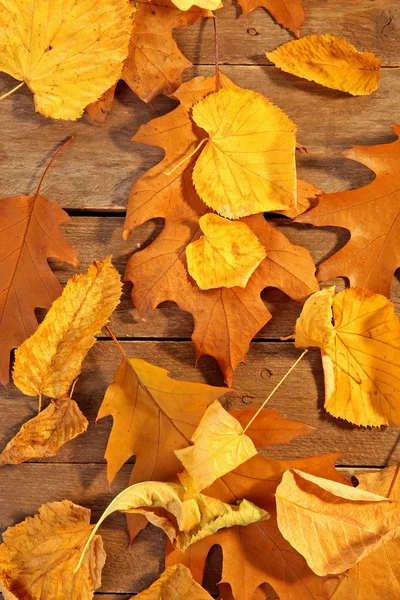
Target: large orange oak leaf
x: 258, y: 553
x: 372, y: 215
x: 288, y: 13
x: 29, y: 235
x: 225, y: 319
x: 155, y: 64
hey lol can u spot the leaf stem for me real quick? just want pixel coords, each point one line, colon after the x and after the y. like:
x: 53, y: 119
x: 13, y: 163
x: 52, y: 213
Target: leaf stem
x: 40, y: 403
x: 185, y: 158
x: 396, y: 473
x: 18, y: 87
x: 274, y: 390
x: 60, y: 149
x: 217, y: 80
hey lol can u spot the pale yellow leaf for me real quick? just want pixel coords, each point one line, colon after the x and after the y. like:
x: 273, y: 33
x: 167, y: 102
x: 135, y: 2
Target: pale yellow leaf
x: 39, y: 555
x: 226, y: 256
x: 219, y: 446
x: 49, y: 361
x: 332, y: 525
x: 44, y: 435
x: 329, y: 61
x: 176, y: 583
x: 207, y: 4
x: 68, y: 52
x: 314, y: 327
x: 248, y: 163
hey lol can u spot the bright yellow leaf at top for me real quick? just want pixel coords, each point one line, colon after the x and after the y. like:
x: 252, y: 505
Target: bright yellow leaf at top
x: 207, y: 4
x: 226, y: 256
x: 68, y: 52
x: 360, y: 353
x: 219, y: 446
x: 329, y: 61
x: 248, y: 163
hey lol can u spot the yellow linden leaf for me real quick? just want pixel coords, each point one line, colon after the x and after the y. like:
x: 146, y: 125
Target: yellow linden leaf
x: 329, y: 61
x: 219, y: 446
x: 360, y: 353
x: 68, y: 52
x: 207, y: 4
x: 248, y: 163
x: 226, y: 256
x: 176, y: 583
x: 195, y: 516
x: 49, y: 361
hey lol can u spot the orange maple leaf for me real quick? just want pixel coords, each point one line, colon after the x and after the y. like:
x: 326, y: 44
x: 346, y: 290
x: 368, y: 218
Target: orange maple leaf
x: 288, y: 13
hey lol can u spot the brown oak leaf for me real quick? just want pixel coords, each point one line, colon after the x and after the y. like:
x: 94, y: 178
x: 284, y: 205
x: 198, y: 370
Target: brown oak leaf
x: 288, y: 13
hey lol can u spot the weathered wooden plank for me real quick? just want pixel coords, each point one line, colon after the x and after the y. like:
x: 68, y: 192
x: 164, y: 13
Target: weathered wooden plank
x: 301, y: 397
x: 98, y: 169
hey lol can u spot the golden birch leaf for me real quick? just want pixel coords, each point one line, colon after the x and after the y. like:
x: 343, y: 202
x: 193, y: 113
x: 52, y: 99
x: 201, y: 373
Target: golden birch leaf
x: 67, y: 53
x: 193, y: 516
x: 329, y: 61
x: 219, y: 446
x: 248, y: 163
x: 39, y: 555
x: 49, y: 361
x: 44, y: 435
x: 332, y: 525
x: 207, y: 4
x: 360, y: 353
x: 226, y: 256
x: 176, y: 583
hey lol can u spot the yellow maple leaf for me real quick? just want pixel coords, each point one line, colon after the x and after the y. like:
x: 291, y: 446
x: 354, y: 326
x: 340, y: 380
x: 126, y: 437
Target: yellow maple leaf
x: 248, y: 163
x: 49, y: 361
x: 176, y: 583
x: 360, y: 353
x: 226, y: 256
x: 219, y: 446
x: 329, y: 61
x: 68, y: 54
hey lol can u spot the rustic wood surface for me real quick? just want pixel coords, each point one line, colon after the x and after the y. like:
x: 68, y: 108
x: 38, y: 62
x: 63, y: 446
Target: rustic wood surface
x: 92, y: 180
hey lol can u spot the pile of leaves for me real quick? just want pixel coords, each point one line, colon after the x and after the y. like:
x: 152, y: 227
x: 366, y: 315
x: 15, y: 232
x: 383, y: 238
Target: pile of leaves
x: 230, y: 157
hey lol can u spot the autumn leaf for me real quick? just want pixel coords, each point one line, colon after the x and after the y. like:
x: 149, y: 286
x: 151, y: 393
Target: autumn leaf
x: 176, y: 583
x: 219, y: 446
x: 307, y: 198
x: 193, y: 516
x: 332, y: 525
x: 67, y: 57
x: 49, y: 361
x: 269, y: 427
x: 155, y: 64
x: 225, y: 320
x: 371, y: 256
x: 30, y: 234
x: 360, y: 353
x: 39, y: 555
x: 187, y: 4
x: 44, y: 435
x: 288, y: 13
x: 329, y: 61
x: 226, y: 256
x: 258, y: 553
x: 248, y: 163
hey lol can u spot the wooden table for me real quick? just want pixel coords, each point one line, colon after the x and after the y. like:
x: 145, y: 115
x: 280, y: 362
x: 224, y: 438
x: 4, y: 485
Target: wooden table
x: 92, y: 180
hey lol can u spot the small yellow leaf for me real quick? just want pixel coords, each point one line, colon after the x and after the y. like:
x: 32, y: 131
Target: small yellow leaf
x: 194, y: 516
x: 67, y: 53
x: 49, y: 361
x: 248, y: 163
x: 360, y: 353
x: 219, y: 447
x: 176, y: 583
x: 39, y: 555
x: 207, y: 4
x: 329, y: 61
x: 332, y: 525
x: 44, y: 435
x: 226, y: 256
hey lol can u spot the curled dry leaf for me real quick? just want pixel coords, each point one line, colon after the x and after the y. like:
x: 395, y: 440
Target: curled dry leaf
x: 225, y: 320
x: 219, y: 446
x: 226, y: 256
x: 155, y: 64
x: 44, y: 435
x: 176, y: 583
x: 30, y: 234
x: 329, y: 61
x: 66, y: 56
x: 288, y: 13
x: 40, y: 554
x: 360, y: 353
x: 332, y: 525
x: 248, y: 163
x: 186, y: 517
x: 49, y: 361
x: 371, y: 256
